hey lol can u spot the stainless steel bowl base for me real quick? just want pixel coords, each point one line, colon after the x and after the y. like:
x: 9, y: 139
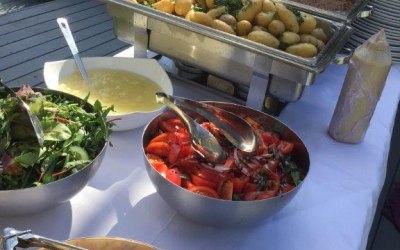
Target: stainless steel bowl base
x: 222, y: 213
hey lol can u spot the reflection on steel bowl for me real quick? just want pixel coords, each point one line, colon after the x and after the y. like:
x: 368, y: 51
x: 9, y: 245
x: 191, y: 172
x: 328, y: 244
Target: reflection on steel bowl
x: 36, y: 178
x: 219, y: 212
x: 105, y: 243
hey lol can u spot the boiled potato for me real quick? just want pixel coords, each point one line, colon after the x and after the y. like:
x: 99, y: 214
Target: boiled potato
x: 320, y: 34
x: 249, y: 12
x: 182, y: 7
x: 220, y: 25
x: 287, y: 17
x: 305, y: 38
x: 308, y: 25
x: 243, y: 27
x: 217, y: 12
x: 302, y: 49
x: 268, y: 6
x: 289, y: 38
x: 199, y: 17
x: 256, y: 27
x: 228, y: 18
x: 210, y: 4
x: 263, y: 37
x: 276, y: 27
x: 263, y: 18
x: 166, y: 6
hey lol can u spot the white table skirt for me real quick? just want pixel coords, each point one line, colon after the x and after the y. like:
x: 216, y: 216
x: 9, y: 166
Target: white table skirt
x: 334, y: 208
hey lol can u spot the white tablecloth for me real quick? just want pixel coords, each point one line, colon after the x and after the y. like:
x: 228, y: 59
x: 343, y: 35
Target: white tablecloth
x: 333, y: 209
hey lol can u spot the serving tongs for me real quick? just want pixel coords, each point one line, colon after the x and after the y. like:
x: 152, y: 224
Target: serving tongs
x: 34, y: 123
x: 235, y: 129
x: 13, y: 238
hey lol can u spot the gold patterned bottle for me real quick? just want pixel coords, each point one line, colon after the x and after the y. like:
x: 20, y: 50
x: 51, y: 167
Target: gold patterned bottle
x: 362, y: 87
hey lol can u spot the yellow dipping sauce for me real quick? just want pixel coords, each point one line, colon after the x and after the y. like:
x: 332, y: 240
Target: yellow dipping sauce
x: 127, y: 91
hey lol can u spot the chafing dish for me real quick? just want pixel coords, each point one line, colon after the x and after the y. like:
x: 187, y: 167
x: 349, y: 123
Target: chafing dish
x: 259, y: 69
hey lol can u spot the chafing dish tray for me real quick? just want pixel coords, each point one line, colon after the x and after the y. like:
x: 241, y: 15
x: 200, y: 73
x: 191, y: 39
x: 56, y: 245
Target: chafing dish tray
x: 263, y: 69
x: 359, y: 8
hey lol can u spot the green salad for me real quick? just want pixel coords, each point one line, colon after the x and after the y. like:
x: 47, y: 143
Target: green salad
x: 73, y: 137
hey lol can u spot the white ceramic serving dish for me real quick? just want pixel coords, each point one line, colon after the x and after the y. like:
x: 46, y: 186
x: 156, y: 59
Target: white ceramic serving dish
x: 55, y: 71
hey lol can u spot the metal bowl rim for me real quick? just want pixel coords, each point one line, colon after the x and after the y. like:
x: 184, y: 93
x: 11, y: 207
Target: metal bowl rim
x: 146, y: 128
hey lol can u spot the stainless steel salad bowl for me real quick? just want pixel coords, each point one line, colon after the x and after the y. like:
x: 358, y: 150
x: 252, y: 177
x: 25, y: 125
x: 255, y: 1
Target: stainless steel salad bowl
x: 36, y: 199
x: 217, y: 212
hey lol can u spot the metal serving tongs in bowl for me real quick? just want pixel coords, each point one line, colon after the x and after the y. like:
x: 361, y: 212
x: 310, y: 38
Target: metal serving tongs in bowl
x: 234, y: 128
x: 203, y: 142
x: 33, y: 119
x: 13, y: 238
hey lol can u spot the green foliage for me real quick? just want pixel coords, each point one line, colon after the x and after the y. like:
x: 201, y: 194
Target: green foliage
x: 67, y: 125
x: 233, y: 6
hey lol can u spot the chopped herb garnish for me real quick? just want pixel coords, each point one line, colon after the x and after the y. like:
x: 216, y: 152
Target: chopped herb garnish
x: 297, y: 13
x: 236, y: 197
x: 233, y: 6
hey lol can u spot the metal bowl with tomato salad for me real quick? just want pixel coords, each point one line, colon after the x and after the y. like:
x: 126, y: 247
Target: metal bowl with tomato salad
x: 243, y: 190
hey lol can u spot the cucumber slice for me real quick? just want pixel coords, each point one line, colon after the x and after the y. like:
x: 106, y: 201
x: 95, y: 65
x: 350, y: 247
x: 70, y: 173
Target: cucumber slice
x: 77, y: 153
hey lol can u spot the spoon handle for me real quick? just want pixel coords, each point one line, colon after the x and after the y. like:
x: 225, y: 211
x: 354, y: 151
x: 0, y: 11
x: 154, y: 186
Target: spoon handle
x: 63, y: 23
x: 235, y: 129
x: 203, y: 141
x: 163, y: 98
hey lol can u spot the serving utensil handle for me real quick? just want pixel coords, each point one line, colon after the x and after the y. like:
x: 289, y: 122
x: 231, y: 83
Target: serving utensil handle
x: 63, y: 23
x: 15, y: 238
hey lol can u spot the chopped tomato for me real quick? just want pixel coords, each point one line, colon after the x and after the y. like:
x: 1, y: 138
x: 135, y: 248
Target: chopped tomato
x: 173, y: 153
x: 160, y: 167
x: 230, y: 162
x: 285, y: 147
x: 238, y: 184
x: 270, y: 138
x: 165, y: 137
x: 273, y: 183
x: 165, y: 127
x: 211, y: 175
x: 273, y: 165
x: 176, y: 123
x: 226, y: 192
x: 185, y: 151
x: 249, y: 187
x: 287, y: 188
x: 187, y: 184
x: 251, y: 196
x: 203, y: 190
x: 158, y: 148
x: 158, y: 164
x: 198, y: 181
x: 188, y: 164
x: 153, y: 158
x: 261, y: 145
x: 161, y: 137
x: 243, y: 176
x: 264, y: 196
x: 170, y: 125
x: 174, y: 176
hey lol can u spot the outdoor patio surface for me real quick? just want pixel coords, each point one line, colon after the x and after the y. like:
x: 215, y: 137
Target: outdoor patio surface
x: 31, y: 36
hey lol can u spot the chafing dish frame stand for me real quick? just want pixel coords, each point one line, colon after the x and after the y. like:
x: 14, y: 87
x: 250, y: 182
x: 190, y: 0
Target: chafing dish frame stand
x: 260, y: 76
